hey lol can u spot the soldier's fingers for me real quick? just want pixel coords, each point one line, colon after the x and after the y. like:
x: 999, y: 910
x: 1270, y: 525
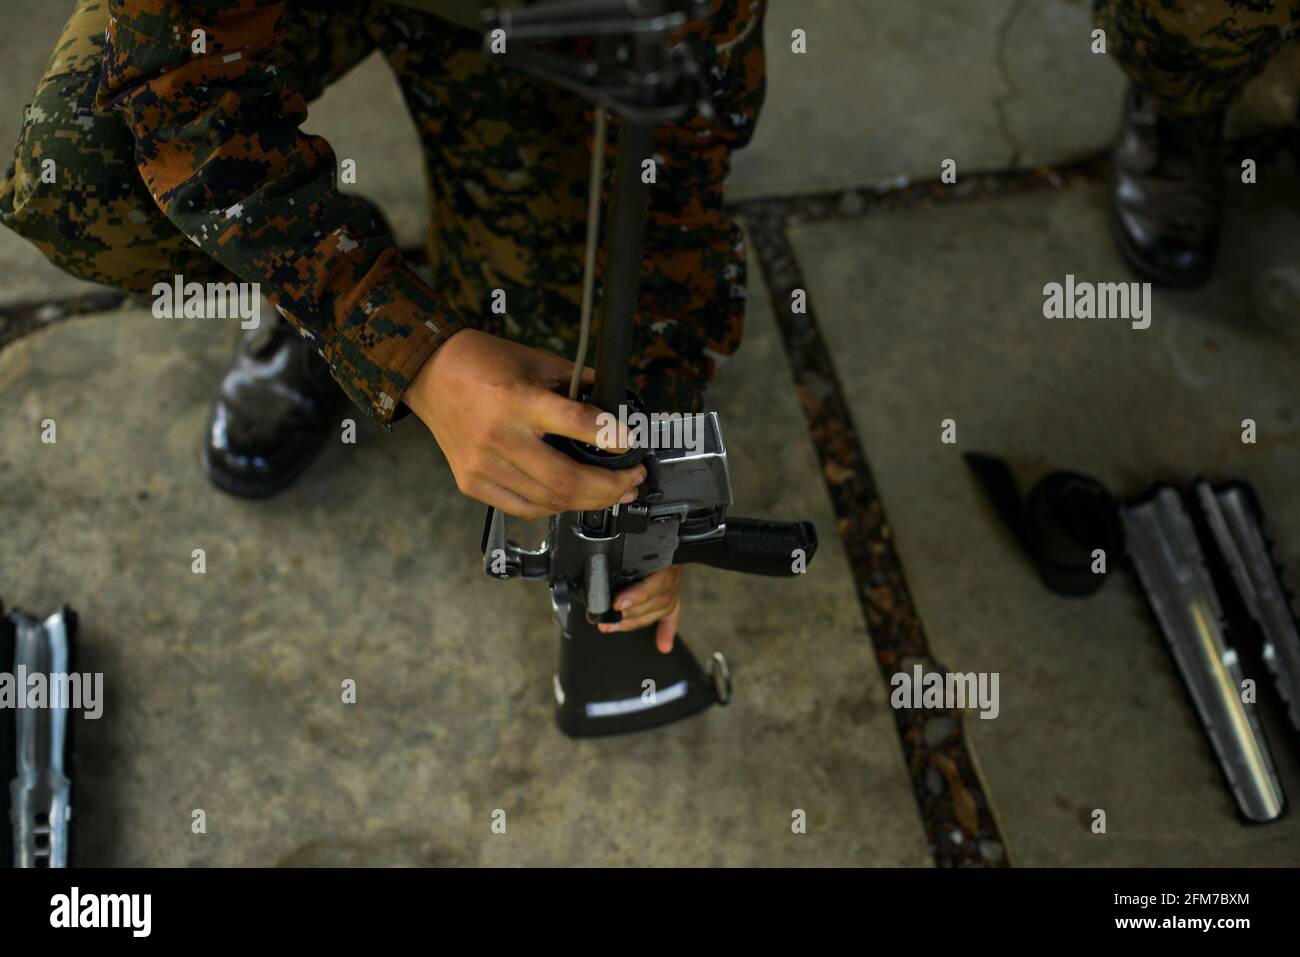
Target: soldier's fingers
x: 572, y: 485
x: 642, y: 615
x: 582, y: 421
x: 546, y: 498
x: 667, y: 629
x: 509, y: 502
x: 512, y: 478
x: 665, y: 581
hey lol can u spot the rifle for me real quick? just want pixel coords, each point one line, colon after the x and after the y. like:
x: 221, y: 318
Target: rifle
x: 613, y: 683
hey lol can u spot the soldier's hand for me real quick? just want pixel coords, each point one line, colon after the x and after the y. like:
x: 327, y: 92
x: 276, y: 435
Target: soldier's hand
x: 656, y: 597
x: 488, y: 402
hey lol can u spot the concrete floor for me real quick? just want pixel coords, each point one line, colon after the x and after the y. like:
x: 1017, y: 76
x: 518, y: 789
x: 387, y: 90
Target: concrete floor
x: 1093, y: 712
x: 223, y: 688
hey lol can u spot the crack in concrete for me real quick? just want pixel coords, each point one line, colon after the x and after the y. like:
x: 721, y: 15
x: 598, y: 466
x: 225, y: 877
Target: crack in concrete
x: 1001, y: 102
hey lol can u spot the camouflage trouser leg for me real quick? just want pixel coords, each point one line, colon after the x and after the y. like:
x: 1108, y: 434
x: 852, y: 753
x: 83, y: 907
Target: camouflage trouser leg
x: 507, y: 158
x: 97, y: 219
x: 1194, y: 56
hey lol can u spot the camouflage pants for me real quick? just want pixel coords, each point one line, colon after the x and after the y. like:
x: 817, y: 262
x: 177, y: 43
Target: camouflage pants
x: 1194, y: 56
x: 494, y: 224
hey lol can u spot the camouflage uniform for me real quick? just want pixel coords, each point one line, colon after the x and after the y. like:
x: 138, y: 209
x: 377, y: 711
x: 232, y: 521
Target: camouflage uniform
x: 1195, y: 56
x: 170, y: 161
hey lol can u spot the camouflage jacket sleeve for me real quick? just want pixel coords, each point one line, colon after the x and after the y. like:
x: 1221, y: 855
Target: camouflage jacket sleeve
x: 218, y: 145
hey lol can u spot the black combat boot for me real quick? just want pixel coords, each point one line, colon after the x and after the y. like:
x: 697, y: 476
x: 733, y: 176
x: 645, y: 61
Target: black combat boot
x: 1166, y: 191
x: 276, y: 407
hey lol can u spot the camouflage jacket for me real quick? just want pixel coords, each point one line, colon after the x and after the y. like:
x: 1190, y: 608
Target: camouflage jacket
x: 219, y: 147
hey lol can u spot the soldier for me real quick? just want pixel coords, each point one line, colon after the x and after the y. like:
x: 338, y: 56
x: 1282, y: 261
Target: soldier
x: 174, y: 129
x: 1187, y: 61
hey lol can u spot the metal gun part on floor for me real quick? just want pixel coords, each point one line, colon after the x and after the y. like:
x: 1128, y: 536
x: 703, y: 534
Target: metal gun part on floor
x: 1163, y: 544
x: 36, y: 742
x: 1233, y: 516
x: 613, y: 683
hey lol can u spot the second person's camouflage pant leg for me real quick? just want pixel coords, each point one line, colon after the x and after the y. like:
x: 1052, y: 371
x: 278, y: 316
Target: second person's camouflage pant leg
x: 73, y: 190
x: 1194, y: 56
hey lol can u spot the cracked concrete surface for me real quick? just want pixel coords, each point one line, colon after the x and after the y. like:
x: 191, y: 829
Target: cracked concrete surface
x: 888, y: 89
x: 223, y: 689
x: 1011, y: 92
x: 937, y: 313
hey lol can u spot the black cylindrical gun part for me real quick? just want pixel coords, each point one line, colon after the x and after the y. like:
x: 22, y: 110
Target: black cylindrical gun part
x: 776, y: 549
x: 622, y: 266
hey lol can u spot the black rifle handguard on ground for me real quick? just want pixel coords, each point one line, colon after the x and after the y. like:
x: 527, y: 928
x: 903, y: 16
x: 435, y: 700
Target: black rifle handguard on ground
x: 611, y: 683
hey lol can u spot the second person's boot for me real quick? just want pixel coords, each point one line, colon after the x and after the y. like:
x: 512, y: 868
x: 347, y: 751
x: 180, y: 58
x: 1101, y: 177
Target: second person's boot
x: 1166, y: 191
